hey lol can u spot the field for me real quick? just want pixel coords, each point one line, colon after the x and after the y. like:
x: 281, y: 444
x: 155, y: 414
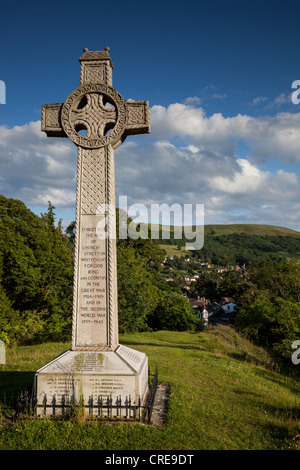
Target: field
x: 172, y: 250
x: 250, y: 229
x: 225, y: 394
x: 211, y: 231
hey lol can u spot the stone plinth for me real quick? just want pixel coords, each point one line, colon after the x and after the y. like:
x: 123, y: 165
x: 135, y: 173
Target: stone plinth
x: 98, y: 375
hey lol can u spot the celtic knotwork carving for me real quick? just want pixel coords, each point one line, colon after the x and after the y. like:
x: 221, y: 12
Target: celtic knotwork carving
x: 86, y: 108
x: 136, y: 114
x: 53, y: 118
x: 92, y: 180
x: 92, y: 114
x: 94, y: 73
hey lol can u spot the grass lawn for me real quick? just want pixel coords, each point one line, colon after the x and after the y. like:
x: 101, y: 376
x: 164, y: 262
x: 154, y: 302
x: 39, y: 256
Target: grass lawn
x: 225, y: 395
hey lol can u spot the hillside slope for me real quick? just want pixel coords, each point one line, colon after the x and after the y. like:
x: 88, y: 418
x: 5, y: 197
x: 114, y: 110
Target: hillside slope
x: 250, y: 229
x: 224, y: 395
x: 221, y: 229
x: 237, y: 243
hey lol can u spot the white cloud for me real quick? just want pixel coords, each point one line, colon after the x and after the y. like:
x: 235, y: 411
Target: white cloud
x: 245, y: 181
x: 283, y: 98
x: 232, y: 189
x: 36, y: 169
x: 219, y: 96
x: 193, y: 100
x: 39, y: 196
x: 258, y: 100
x: 276, y: 136
x: 189, y: 158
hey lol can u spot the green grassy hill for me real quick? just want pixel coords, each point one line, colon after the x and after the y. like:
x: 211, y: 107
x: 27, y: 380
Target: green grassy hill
x: 219, y: 229
x: 225, y: 394
x: 238, y: 243
x: 250, y: 229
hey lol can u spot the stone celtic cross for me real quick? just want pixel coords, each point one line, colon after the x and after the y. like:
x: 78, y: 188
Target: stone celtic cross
x: 97, y: 119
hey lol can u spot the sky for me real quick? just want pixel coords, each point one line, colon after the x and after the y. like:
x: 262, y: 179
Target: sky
x: 218, y: 75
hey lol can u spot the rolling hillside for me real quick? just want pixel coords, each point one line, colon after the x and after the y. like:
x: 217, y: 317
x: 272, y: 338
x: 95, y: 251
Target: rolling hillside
x: 225, y: 394
x: 250, y: 229
x: 238, y: 243
x: 219, y: 229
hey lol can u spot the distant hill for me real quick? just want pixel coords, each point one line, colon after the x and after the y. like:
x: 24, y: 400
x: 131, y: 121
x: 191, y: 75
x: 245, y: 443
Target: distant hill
x: 250, y: 229
x: 238, y: 243
x: 219, y: 229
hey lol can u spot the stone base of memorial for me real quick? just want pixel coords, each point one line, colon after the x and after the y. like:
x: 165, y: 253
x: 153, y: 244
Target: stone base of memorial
x: 105, y: 382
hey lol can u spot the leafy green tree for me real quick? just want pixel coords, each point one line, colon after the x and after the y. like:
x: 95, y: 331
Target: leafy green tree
x: 9, y: 319
x: 57, y: 278
x: 173, y: 313
x: 269, y: 309
x: 206, y: 286
x: 70, y: 232
x: 36, y: 271
x: 137, y: 293
x: 229, y: 284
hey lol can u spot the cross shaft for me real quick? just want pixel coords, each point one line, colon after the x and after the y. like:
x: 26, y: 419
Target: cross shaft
x: 107, y: 119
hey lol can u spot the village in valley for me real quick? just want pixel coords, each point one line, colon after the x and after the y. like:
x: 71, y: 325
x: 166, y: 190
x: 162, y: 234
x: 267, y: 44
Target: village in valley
x: 184, y: 272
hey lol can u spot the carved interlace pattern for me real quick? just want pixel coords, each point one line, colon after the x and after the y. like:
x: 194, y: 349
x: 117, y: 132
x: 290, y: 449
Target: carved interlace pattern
x: 136, y: 115
x: 53, y: 118
x: 95, y: 117
x: 94, y: 73
x: 92, y: 180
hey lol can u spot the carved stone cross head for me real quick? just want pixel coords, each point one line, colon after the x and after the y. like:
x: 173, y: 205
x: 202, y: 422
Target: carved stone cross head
x: 95, y: 114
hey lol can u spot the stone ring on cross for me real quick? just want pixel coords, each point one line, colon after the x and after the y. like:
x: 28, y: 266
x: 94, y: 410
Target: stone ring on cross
x: 94, y: 115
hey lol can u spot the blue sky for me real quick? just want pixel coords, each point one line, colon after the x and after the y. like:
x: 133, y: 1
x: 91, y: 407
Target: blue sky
x: 218, y: 78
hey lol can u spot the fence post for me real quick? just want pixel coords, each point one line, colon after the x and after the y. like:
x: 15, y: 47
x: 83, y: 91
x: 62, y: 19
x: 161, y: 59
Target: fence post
x: 91, y: 403
x: 53, y: 404
x: 63, y: 404
x: 109, y: 411
x: 139, y: 408
x: 100, y: 401
x: 119, y: 406
x: 45, y: 404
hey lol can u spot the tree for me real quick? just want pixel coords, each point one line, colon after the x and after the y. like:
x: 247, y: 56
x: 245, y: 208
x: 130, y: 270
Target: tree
x: 8, y: 318
x: 36, y: 273
x: 70, y: 232
x: 137, y: 293
x: 229, y: 284
x: 269, y: 311
x: 173, y: 313
x: 206, y: 286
